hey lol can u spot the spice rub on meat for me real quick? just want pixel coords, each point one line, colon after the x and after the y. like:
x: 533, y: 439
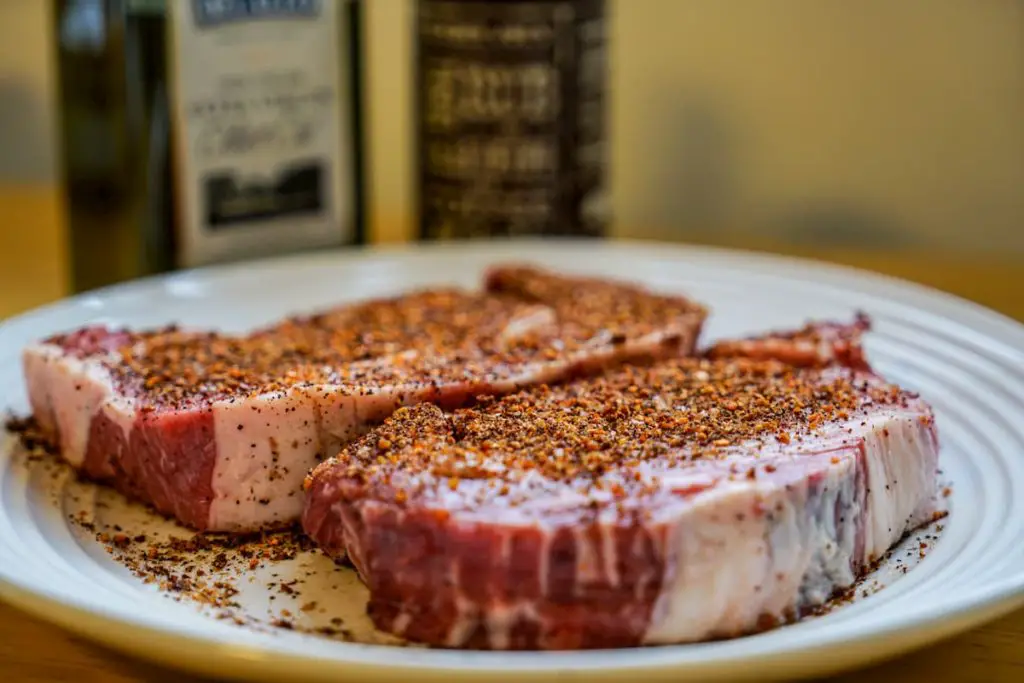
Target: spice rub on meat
x: 219, y: 431
x: 691, y: 499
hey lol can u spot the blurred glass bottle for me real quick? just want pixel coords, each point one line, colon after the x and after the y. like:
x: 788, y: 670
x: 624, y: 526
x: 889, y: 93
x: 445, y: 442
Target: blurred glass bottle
x: 202, y: 131
x: 510, y: 115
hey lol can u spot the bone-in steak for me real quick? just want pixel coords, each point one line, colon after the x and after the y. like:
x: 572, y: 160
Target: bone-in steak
x: 691, y: 499
x: 219, y: 431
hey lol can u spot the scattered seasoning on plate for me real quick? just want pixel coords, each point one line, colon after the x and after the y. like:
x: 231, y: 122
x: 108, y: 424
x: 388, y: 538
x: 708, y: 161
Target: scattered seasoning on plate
x: 207, y: 569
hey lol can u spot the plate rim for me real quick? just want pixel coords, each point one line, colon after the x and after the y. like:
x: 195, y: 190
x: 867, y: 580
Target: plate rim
x: 496, y: 246
x: 967, y: 610
x: 194, y: 653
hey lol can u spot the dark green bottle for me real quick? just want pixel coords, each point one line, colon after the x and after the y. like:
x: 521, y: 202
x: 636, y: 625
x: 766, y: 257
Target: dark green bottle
x: 204, y: 131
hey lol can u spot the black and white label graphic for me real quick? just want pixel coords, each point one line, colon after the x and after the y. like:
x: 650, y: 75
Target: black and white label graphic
x: 231, y: 199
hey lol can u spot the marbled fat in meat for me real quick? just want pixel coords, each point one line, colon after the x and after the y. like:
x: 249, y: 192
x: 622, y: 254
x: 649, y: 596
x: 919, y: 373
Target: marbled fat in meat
x: 691, y: 499
x: 219, y: 431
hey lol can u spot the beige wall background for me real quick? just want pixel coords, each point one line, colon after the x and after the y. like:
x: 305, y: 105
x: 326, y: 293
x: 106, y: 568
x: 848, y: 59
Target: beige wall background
x: 866, y: 122
x: 32, y: 239
x: 27, y: 116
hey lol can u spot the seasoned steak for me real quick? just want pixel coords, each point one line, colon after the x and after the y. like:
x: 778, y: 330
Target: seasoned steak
x: 691, y: 499
x: 219, y: 430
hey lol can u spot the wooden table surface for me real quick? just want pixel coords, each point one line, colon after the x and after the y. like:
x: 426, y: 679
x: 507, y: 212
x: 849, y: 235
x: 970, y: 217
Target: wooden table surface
x: 32, y: 262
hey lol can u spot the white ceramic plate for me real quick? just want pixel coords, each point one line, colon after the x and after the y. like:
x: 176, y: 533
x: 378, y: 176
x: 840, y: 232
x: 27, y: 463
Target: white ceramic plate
x: 967, y: 361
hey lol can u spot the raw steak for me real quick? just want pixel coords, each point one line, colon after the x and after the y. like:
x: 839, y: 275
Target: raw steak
x: 691, y: 499
x: 815, y: 345
x: 219, y: 431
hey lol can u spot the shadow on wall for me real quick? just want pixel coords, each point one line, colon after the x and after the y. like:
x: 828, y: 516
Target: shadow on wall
x: 694, y: 178
x: 691, y: 171
x: 838, y: 223
x: 24, y: 134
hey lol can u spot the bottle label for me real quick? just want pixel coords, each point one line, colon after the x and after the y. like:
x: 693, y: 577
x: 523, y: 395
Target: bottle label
x: 263, y: 155
x: 511, y: 118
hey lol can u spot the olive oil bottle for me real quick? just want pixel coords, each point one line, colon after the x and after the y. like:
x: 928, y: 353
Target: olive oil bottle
x: 203, y: 131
